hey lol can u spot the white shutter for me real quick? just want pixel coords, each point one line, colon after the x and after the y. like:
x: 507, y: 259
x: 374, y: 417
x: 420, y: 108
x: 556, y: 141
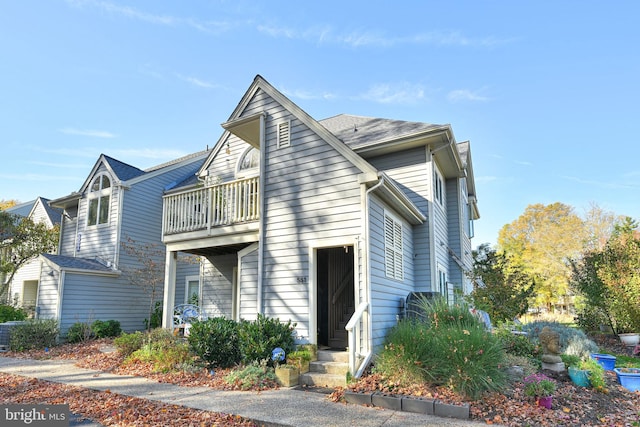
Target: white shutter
x: 393, y: 248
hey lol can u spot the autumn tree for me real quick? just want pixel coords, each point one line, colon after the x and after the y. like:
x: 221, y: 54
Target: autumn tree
x: 541, y: 242
x: 147, y: 269
x: 599, y: 226
x: 6, y: 204
x: 22, y: 240
x: 499, y: 288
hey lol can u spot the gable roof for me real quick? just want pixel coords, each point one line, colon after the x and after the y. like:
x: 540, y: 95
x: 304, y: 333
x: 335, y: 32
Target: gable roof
x: 124, y: 172
x: 23, y: 209
x: 78, y: 265
x: 245, y: 127
x: 54, y: 215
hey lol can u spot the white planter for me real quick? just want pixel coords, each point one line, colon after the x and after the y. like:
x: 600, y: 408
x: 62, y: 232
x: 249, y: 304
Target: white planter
x: 630, y: 339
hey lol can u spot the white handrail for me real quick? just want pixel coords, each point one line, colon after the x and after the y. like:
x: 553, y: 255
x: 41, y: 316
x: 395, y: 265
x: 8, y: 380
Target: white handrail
x: 354, y: 337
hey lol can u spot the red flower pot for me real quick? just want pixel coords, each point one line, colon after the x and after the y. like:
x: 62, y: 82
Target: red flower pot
x: 544, y: 401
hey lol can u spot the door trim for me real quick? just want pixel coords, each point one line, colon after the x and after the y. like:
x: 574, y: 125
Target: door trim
x: 314, y: 245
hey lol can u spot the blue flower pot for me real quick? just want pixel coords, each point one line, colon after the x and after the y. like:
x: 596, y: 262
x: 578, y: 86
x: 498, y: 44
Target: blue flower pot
x: 579, y: 377
x: 607, y: 361
x: 629, y: 378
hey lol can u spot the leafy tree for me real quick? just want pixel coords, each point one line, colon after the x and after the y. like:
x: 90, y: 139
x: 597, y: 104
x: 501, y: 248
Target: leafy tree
x: 541, y: 242
x: 620, y: 271
x: 22, y: 240
x: 499, y: 288
x: 6, y: 204
x: 600, y: 226
x: 609, y: 279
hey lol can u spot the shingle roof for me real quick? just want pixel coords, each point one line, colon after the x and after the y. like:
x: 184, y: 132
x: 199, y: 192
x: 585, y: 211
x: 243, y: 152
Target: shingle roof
x: 23, y: 209
x: 122, y: 170
x: 359, y: 131
x: 67, y: 262
x: 54, y: 214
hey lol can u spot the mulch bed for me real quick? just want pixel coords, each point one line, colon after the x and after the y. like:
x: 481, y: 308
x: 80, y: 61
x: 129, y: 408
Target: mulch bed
x: 572, y: 405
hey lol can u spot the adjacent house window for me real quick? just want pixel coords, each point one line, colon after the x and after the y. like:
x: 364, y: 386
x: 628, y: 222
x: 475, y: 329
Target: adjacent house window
x: 99, y: 201
x: 284, y: 134
x: 192, y: 290
x: 437, y: 187
x: 393, y: 248
x: 442, y: 284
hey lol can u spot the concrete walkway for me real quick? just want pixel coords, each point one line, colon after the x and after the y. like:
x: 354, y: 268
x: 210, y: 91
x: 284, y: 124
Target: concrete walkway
x: 284, y: 407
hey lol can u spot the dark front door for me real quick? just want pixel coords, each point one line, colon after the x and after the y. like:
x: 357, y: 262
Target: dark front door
x: 335, y: 295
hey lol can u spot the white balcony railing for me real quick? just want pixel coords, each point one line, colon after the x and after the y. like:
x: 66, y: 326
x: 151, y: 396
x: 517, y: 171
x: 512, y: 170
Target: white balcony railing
x: 212, y: 206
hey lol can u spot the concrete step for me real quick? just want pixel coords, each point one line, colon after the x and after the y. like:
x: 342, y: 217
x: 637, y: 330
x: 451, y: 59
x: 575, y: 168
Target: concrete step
x: 333, y: 356
x: 324, y: 367
x: 323, y: 380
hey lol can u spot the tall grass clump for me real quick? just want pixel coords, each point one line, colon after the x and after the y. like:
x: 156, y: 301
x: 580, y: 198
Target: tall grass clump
x: 446, y: 345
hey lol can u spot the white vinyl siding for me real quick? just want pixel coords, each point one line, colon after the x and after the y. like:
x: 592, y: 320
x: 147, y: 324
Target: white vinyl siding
x: 386, y: 293
x: 409, y: 169
x: 217, y: 286
x: 393, y: 254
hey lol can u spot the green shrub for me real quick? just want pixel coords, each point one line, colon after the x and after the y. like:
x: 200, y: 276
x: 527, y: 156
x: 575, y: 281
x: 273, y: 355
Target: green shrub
x: 253, y: 376
x: 215, y: 341
x: 106, y: 329
x: 9, y: 313
x: 34, y: 334
x: 164, y: 356
x: 259, y: 337
x: 79, y: 332
x: 517, y: 344
x: 129, y: 343
x: 528, y: 365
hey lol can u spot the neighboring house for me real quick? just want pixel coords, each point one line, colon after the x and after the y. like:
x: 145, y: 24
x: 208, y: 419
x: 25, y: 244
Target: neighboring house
x: 329, y: 224
x: 85, y: 280
x: 23, y: 290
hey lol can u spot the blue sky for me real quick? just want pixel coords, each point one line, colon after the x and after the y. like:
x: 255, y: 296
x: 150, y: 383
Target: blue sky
x: 546, y: 91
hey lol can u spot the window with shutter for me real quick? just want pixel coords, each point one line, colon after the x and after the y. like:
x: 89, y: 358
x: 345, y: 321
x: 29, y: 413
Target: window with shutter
x: 394, y: 267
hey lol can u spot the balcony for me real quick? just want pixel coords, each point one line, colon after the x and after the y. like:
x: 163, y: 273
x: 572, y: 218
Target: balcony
x: 202, y: 211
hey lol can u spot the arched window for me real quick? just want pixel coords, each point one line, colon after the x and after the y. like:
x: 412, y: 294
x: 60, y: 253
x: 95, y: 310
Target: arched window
x: 249, y: 163
x: 99, y: 200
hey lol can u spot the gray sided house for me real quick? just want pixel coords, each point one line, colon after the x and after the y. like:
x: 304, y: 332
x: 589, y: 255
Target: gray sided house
x: 87, y: 279
x: 23, y: 289
x: 330, y: 224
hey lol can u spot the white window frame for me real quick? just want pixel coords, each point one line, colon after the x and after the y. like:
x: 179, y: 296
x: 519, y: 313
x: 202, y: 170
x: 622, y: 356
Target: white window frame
x: 247, y: 173
x: 443, y: 285
x: 438, y: 187
x: 99, y: 196
x: 393, y: 247
x: 187, y: 280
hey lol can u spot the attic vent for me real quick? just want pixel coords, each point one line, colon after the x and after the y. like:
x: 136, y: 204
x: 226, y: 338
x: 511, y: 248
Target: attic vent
x: 284, y: 134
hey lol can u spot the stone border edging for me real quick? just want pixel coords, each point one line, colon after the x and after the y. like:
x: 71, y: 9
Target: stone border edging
x: 408, y: 404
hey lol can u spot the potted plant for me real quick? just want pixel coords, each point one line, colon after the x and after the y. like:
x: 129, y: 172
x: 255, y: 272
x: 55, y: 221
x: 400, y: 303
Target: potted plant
x: 541, y: 387
x: 301, y: 359
x: 288, y: 375
x: 578, y: 373
x: 629, y: 378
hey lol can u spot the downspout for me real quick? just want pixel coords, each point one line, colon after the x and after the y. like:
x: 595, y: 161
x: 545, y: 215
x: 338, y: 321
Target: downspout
x: 368, y: 270
x: 261, y: 229
x: 116, y: 254
x: 61, y: 277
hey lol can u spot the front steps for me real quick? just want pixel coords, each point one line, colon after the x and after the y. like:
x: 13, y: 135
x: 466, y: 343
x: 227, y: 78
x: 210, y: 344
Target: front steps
x: 330, y: 370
